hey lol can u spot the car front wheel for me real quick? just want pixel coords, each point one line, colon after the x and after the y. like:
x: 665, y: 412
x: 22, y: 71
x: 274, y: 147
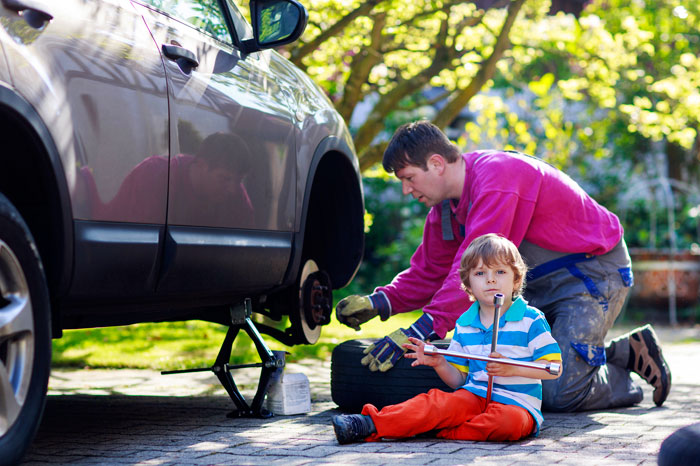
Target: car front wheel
x: 25, y: 341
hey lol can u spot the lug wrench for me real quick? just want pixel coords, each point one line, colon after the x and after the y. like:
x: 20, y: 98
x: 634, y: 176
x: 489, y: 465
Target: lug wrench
x: 551, y: 367
x: 497, y: 303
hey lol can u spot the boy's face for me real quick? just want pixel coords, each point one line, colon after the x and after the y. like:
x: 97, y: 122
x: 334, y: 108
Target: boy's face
x: 425, y: 186
x: 485, y: 281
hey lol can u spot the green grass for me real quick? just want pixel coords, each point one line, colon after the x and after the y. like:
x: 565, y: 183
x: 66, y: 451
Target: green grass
x: 184, y: 345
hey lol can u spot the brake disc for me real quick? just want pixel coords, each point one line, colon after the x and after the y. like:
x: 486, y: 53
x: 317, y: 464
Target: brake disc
x: 315, y: 301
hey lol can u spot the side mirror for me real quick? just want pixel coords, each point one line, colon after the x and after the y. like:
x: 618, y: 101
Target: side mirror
x: 275, y: 23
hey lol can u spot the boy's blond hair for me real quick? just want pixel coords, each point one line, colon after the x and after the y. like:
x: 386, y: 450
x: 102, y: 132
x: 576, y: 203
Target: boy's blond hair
x: 492, y: 249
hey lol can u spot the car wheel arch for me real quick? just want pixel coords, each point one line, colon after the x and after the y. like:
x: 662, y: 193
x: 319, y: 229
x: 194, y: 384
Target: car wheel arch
x: 333, y: 198
x: 40, y: 166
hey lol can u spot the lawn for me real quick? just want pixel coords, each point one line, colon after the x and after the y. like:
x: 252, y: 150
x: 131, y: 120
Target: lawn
x: 183, y: 345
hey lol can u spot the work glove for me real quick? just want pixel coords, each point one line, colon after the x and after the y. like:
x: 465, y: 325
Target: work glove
x: 355, y: 309
x: 383, y: 354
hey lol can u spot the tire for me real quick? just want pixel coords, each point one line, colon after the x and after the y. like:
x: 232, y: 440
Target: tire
x: 25, y: 339
x: 353, y: 385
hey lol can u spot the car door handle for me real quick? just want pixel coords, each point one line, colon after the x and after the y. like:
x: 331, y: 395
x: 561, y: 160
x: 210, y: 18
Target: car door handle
x: 181, y: 55
x: 32, y: 13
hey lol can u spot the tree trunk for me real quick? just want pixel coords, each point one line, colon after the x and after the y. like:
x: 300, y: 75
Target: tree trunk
x: 371, y: 154
x: 389, y: 101
x: 360, y: 69
x: 300, y: 52
x: 488, y: 68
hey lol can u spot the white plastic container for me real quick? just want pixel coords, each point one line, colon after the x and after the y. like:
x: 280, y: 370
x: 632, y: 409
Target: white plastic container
x: 289, y: 394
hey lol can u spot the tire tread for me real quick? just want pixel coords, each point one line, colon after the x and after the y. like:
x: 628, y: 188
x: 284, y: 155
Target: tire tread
x: 354, y: 385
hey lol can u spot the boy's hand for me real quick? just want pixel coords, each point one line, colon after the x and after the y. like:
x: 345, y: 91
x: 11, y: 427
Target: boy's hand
x: 501, y: 370
x: 421, y: 359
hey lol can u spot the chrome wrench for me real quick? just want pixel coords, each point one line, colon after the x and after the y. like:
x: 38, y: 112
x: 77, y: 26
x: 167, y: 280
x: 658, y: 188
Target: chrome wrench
x: 552, y: 367
x: 497, y: 303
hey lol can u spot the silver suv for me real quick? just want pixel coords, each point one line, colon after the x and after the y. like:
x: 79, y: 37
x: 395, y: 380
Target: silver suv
x: 160, y: 163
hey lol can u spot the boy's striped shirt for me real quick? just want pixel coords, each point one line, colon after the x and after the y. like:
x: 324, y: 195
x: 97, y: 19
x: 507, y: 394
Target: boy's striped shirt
x: 524, y: 335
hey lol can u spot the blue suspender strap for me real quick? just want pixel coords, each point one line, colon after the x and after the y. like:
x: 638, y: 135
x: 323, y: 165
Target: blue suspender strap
x: 569, y: 262
x: 565, y: 261
x: 590, y: 286
x: 446, y: 221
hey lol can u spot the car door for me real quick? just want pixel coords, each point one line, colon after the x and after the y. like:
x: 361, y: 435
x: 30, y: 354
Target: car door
x: 231, y: 202
x: 93, y: 73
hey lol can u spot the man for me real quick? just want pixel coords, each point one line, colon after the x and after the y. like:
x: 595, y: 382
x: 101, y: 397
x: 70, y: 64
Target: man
x: 580, y: 270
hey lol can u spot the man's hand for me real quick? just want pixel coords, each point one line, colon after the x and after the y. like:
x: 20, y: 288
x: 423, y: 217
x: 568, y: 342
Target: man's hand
x: 356, y: 310
x: 383, y: 354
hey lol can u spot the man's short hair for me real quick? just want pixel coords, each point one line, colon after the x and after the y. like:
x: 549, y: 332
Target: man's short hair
x: 492, y: 249
x: 413, y: 143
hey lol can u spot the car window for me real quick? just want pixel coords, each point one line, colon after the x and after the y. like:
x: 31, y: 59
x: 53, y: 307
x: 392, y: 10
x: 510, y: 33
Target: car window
x: 205, y: 15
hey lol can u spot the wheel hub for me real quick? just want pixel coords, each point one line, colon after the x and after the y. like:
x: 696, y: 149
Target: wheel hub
x: 16, y: 338
x: 314, y: 305
x: 317, y: 299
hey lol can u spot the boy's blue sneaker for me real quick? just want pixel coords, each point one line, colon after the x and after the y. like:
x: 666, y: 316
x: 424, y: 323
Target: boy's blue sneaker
x: 351, y: 428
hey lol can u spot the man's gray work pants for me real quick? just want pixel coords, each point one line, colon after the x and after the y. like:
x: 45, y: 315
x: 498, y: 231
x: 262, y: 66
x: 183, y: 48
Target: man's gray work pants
x: 581, y: 296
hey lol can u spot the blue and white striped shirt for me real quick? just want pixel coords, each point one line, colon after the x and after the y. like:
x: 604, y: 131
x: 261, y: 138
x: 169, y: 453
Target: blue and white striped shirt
x: 524, y: 335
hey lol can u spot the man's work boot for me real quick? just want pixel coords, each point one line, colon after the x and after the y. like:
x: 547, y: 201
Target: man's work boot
x: 351, y: 428
x: 647, y: 361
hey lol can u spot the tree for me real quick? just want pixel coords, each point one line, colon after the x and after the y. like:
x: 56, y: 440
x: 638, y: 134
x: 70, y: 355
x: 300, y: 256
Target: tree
x: 387, y: 52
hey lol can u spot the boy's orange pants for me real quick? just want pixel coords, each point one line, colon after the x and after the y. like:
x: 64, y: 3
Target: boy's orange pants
x: 459, y: 415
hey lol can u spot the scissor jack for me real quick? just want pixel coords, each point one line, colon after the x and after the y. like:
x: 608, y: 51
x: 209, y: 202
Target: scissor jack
x: 240, y: 319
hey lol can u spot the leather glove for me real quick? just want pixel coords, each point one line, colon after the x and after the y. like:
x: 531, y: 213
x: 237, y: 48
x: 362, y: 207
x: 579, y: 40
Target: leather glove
x: 355, y: 309
x: 383, y: 354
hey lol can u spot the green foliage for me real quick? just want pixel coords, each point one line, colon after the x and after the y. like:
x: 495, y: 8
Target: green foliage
x: 396, y: 232
x: 647, y: 228
x: 623, y: 75
x: 633, y: 65
x: 612, y: 99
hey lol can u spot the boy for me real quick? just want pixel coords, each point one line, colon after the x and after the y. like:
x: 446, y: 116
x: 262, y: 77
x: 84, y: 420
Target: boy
x: 490, y: 265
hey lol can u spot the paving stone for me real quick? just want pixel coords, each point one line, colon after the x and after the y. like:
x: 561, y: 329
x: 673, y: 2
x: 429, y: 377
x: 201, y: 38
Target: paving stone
x: 147, y: 419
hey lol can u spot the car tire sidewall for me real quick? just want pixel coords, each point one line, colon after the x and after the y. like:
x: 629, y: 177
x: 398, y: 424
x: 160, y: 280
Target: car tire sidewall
x: 14, y: 232
x: 354, y: 385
